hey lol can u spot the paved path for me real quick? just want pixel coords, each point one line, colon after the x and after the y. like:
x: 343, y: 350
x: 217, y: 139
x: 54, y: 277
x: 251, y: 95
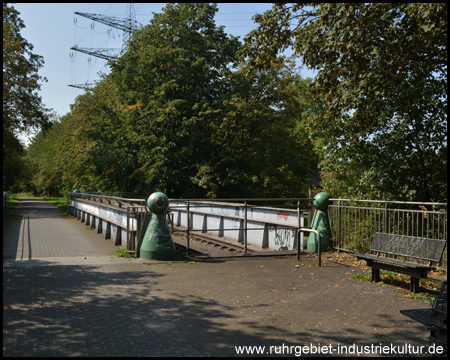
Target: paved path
x: 66, y: 294
x: 38, y: 229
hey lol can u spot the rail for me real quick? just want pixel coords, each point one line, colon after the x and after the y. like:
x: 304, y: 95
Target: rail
x: 353, y: 221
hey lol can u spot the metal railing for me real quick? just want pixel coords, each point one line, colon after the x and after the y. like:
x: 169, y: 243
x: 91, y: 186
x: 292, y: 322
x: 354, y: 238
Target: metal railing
x: 245, y: 204
x: 355, y: 222
x: 105, y: 199
x: 135, y: 234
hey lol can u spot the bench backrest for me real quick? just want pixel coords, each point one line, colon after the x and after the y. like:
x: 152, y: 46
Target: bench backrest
x: 409, y: 246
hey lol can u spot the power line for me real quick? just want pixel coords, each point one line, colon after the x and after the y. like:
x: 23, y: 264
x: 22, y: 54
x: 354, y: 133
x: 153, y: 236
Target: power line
x: 128, y: 25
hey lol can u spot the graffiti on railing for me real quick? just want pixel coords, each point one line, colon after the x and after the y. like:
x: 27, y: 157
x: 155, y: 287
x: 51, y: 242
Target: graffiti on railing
x: 283, y: 238
x: 282, y: 215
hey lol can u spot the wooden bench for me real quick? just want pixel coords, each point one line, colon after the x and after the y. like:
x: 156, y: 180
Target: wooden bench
x: 410, y: 247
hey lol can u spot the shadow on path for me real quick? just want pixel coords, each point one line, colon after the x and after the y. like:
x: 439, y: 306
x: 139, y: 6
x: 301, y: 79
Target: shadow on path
x: 80, y: 311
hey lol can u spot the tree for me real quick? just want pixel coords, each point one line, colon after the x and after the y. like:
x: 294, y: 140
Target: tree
x: 382, y: 77
x: 83, y: 148
x: 259, y: 148
x: 22, y: 106
x: 175, y: 67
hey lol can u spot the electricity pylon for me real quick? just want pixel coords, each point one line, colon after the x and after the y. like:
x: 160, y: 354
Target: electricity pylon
x: 103, y: 53
x: 127, y: 25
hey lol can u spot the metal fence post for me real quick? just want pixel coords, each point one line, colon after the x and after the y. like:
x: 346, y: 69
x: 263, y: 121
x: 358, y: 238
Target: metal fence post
x: 298, y: 220
x: 188, y: 226
x: 339, y: 236
x: 245, y: 227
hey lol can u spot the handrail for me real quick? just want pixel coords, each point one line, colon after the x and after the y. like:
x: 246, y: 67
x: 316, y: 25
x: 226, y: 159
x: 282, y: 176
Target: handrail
x: 115, y: 198
x: 390, y: 202
x: 318, y: 243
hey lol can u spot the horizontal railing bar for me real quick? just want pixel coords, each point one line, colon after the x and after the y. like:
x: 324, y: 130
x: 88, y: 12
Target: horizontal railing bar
x: 243, y: 228
x: 231, y: 206
x: 105, y: 196
x: 388, y: 209
x: 391, y: 202
x: 265, y: 221
x: 244, y: 199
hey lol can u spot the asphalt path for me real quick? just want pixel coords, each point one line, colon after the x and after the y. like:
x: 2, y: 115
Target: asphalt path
x: 66, y: 293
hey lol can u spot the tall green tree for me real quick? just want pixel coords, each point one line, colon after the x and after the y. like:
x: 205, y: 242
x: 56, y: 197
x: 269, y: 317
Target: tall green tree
x: 176, y: 114
x: 175, y: 67
x: 382, y: 78
x: 259, y: 150
x: 82, y: 149
x: 22, y: 106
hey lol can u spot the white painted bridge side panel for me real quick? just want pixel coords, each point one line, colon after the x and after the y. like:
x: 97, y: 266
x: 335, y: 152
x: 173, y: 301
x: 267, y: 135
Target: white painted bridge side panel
x: 265, y: 226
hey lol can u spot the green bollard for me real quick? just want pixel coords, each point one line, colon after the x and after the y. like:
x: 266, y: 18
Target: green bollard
x: 157, y: 242
x: 321, y: 223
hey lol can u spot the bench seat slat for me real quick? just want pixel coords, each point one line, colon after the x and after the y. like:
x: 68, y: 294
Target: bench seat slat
x: 391, y: 261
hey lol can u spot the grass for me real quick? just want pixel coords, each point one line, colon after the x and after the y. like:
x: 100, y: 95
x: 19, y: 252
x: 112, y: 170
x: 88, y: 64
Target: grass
x: 122, y: 252
x: 12, y: 203
x: 398, y: 280
x: 59, y: 202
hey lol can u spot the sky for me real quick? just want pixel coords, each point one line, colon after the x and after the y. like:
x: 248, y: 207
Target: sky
x: 53, y: 28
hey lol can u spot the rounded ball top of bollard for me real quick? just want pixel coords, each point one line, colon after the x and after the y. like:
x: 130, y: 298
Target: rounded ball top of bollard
x: 76, y: 191
x: 321, y: 201
x: 158, y: 203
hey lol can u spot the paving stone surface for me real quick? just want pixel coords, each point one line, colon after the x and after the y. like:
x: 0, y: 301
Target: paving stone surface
x: 65, y: 293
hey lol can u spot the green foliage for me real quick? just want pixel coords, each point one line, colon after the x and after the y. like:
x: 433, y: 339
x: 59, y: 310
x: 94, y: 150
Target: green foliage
x: 177, y: 114
x: 22, y: 108
x: 72, y: 154
x: 382, y: 75
x: 122, y: 252
x: 174, y: 66
x: 59, y: 202
x: 260, y: 150
x: 362, y: 277
x: 14, y: 166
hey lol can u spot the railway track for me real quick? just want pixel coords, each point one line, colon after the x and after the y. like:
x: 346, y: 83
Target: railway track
x: 209, y: 245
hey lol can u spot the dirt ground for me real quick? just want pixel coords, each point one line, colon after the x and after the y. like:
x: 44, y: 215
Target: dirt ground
x: 429, y: 287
